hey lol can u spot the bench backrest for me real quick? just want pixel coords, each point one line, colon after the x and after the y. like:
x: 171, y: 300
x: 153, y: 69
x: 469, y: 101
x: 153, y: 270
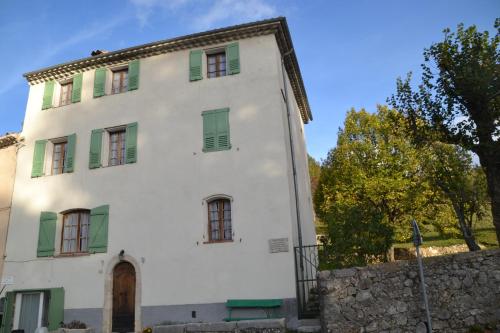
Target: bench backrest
x: 254, y: 303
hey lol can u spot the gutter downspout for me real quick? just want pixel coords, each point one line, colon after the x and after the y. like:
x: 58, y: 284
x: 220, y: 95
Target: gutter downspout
x: 300, y: 294
x: 292, y: 150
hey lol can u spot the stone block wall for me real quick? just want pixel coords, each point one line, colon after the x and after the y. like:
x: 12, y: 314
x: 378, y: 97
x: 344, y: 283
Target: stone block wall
x: 244, y: 326
x: 463, y: 290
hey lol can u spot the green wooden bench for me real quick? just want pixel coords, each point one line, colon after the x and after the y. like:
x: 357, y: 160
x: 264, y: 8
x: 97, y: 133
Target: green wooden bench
x: 268, y: 305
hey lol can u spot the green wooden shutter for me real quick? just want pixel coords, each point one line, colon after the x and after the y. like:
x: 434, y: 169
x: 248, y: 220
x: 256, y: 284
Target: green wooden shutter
x: 98, y: 230
x: 133, y: 75
x: 8, y: 312
x: 95, y: 149
x: 56, y: 308
x: 38, y: 158
x: 99, y: 82
x: 131, y: 143
x: 69, y: 158
x: 195, y: 65
x: 233, y: 58
x: 46, y: 234
x: 216, y: 130
x: 209, y: 131
x: 48, y: 93
x: 76, y: 93
x: 222, y: 120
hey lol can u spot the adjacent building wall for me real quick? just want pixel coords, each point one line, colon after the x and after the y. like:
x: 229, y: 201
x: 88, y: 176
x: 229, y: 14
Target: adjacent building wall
x: 8, y: 150
x: 463, y: 290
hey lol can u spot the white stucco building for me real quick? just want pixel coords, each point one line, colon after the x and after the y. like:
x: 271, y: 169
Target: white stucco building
x: 157, y: 182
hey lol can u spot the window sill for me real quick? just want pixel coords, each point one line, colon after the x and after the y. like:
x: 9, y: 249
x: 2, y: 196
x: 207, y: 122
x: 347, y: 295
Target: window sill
x: 213, y: 150
x: 111, y: 166
x: 74, y: 254
x: 60, y: 106
x: 216, y: 77
x: 53, y: 175
x: 114, y: 94
x: 219, y: 241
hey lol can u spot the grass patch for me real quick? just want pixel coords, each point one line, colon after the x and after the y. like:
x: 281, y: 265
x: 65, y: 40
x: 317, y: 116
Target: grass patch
x: 484, y: 235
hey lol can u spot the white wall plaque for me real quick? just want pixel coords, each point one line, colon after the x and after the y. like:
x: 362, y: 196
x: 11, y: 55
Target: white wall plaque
x: 7, y: 280
x: 278, y: 245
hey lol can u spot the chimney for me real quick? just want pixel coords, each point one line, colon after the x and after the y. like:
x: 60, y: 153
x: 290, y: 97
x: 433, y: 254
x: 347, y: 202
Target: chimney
x: 98, y: 52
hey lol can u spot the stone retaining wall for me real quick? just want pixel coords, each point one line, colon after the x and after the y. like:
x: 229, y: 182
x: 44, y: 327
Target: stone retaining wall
x: 431, y: 251
x: 463, y: 290
x: 245, y: 326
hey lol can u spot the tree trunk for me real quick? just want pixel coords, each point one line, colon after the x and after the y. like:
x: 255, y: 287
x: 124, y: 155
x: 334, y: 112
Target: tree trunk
x: 489, y: 157
x: 493, y: 179
x: 469, y: 238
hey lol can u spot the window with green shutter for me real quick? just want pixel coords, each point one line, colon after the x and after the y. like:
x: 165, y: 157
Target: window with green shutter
x: 8, y: 312
x: 216, y: 130
x: 195, y: 58
x: 52, y: 318
x: 56, y: 308
x: 38, y: 158
x: 100, y: 82
x: 69, y: 156
x: 46, y: 234
x: 233, y: 58
x: 98, y: 229
x: 48, y: 94
x: 76, y: 93
x: 133, y: 75
x: 95, y: 149
x: 63, y: 154
x: 131, y: 143
x: 122, y: 145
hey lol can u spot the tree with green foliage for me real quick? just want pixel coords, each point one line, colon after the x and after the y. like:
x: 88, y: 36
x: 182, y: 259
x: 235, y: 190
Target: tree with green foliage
x: 314, y: 172
x: 372, y: 179
x: 458, y: 101
x: 450, y: 169
x: 358, y: 235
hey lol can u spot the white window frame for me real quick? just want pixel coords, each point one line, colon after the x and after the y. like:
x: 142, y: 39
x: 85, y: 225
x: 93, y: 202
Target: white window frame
x: 58, y: 88
x: 49, y: 154
x: 17, y: 310
x: 108, y: 89
x: 204, y: 225
x: 211, y: 51
x: 105, y: 143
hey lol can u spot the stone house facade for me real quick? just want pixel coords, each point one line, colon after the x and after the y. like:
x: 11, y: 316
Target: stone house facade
x: 8, y: 151
x: 158, y: 181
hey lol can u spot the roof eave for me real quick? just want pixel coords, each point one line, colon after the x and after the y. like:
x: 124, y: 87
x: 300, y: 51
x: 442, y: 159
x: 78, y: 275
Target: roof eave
x: 277, y: 26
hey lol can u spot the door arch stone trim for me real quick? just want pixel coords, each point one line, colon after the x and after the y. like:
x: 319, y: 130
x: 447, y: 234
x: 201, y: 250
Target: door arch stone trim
x: 107, y: 315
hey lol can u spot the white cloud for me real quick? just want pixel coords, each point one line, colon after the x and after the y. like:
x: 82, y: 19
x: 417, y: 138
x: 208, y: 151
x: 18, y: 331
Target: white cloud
x: 47, y: 53
x: 235, y: 11
x: 90, y: 32
x: 144, y: 8
x: 206, y: 14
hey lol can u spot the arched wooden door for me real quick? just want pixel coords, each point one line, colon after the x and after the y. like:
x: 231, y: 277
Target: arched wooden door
x: 123, y: 297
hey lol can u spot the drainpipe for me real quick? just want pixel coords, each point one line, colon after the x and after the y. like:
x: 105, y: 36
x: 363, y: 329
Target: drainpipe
x: 292, y: 152
x: 300, y: 293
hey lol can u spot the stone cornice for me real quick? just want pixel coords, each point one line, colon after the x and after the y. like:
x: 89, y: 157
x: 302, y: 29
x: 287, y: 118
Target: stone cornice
x: 8, y: 140
x: 276, y: 26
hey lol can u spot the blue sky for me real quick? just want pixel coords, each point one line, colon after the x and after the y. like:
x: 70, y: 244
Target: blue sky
x: 350, y: 52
